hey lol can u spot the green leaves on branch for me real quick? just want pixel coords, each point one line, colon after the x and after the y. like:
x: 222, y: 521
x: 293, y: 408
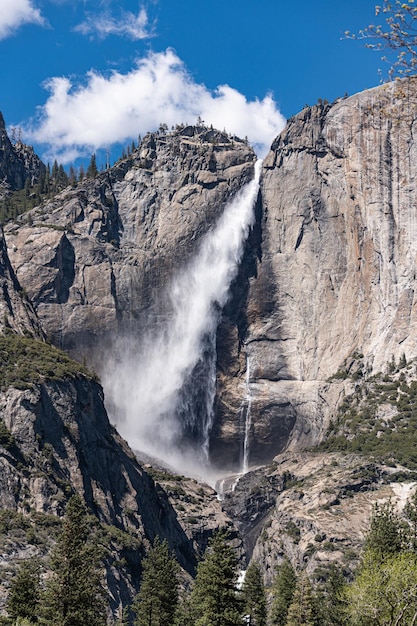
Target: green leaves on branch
x: 384, y: 593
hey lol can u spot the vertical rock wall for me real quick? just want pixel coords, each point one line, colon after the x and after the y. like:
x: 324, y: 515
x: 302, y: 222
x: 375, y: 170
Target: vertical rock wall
x: 335, y: 278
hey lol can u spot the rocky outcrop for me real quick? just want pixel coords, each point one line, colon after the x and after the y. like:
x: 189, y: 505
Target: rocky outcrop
x: 313, y: 509
x: 333, y: 273
x: 96, y: 258
x: 327, y: 279
x: 16, y: 312
x: 55, y: 440
x: 18, y: 163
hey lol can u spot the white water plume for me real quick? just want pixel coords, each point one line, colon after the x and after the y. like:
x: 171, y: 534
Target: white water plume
x: 162, y: 400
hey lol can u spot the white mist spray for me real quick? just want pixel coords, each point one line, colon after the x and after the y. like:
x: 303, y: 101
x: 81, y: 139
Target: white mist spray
x: 149, y: 404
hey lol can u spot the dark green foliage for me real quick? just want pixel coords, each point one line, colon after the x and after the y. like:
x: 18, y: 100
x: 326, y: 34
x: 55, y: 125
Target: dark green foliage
x: 182, y: 617
x: 25, y: 361
x: 6, y: 437
x: 50, y: 183
x: 157, y: 600
x: 92, y: 170
x: 125, y: 617
x: 282, y: 593
x: 215, y: 600
x: 24, y: 595
x: 37, y: 529
x: 386, y: 535
x: 253, y: 593
x: 360, y: 426
x: 329, y: 600
x: 410, y: 512
x: 73, y: 595
x: 301, y: 610
x: 293, y: 531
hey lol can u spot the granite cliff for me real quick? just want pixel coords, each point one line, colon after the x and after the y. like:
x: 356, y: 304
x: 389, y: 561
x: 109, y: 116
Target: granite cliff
x: 332, y: 276
x: 96, y: 258
x: 326, y: 283
x: 323, y: 301
x: 56, y: 439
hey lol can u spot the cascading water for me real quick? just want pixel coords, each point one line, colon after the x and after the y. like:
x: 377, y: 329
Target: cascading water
x: 162, y: 398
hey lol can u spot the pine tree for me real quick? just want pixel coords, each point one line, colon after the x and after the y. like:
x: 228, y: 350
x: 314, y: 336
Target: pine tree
x: 24, y: 594
x: 124, y: 619
x: 92, y: 170
x: 215, y: 600
x: 301, y: 610
x: 330, y: 599
x: 73, y: 595
x: 253, y: 592
x: 282, y: 593
x: 410, y: 511
x: 386, y: 535
x: 47, y: 183
x: 156, y: 603
x: 62, y: 177
x: 72, y: 177
x: 54, y: 176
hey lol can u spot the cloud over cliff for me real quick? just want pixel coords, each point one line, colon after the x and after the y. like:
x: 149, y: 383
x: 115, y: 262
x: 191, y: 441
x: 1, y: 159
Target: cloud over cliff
x: 105, y: 109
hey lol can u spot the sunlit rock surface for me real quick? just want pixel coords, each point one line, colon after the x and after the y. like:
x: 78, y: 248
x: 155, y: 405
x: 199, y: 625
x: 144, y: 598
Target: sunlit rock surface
x: 327, y: 279
x: 332, y: 274
x: 95, y: 259
x: 16, y: 312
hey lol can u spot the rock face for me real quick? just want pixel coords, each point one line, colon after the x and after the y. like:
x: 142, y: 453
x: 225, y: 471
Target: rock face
x: 18, y: 162
x: 313, y: 509
x: 96, y: 258
x: 328, y: 277
x: 332, y: 273
x: 16, y: 312
x: 55, y: 440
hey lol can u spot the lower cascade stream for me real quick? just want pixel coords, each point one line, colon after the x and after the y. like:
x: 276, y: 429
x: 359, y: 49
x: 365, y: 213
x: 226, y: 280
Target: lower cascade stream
x: 162, y: 395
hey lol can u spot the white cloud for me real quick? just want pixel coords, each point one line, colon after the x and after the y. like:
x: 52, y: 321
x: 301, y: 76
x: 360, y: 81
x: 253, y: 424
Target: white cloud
x: 127, y: 24
x: 78, y: 118
x: 15, y: 13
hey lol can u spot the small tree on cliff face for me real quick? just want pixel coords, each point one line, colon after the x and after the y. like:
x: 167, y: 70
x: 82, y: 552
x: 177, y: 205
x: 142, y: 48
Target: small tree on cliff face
x: 386, y: 535
x: 92, y: 169
x: 398, y: 37
x: 73, y: 595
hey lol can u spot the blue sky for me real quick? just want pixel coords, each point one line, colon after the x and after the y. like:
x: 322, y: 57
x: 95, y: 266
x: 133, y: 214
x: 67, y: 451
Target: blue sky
x: 80, y: 75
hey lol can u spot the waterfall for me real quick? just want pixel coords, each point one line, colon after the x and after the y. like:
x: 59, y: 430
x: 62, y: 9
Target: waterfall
x: 161, y: 398
x: 248, y: 402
